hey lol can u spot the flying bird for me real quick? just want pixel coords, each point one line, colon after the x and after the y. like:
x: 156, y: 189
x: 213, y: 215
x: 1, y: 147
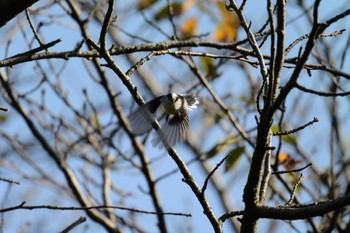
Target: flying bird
x: 171, y: 110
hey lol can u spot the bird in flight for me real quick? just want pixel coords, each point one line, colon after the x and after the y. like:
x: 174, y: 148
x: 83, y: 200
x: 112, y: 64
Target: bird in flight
x: 171, y: 110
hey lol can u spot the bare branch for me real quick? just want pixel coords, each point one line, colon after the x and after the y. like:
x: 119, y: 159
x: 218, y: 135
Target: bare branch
x: 296, y: 129
x: 232, y: 4
x: 74, y: 225
x: 3, y: 109
x: 319, y: 93
x: 10, y: 181
x: 293, y: 170
x: 302, y: 212
x: 292, y: 196
x: 51, y: 207
x: 228, y: 215
x: 205, y: 185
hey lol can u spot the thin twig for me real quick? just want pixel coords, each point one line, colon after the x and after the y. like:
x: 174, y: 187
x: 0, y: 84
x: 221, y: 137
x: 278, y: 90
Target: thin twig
x: 37, y: 49
x: 228, y: 215
x: 212, y: 173
x: 106, y: 24
x: 251, y: 37
x: 291, y: 199
x: 296, y: 129
x: 293, y: 170
x: 183, y: 53
x: 10, y: 180
x: 50, y: 207
x: 326, y: 94
x: 3, y: 109
x: 74, y: 225
x: 36, y: 35
x: 295, y: 42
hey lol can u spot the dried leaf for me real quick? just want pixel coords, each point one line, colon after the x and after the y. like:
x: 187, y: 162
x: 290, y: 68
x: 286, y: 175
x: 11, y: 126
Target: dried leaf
x: 144, y: 4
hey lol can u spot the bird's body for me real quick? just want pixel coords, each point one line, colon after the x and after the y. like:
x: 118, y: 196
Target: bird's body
x: 174, y: 107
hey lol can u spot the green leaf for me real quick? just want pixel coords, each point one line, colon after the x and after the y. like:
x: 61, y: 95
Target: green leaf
x: 247, y: 101
x: 210, y: 68
x: 275, y: 129
x: 222, y: 146
x: 3, y: 118
x: 233, y: 158
x: 290, y: 138
x: 163, y: 13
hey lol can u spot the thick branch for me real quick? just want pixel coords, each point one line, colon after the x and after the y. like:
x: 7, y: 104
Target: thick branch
x: 10, y: 8
x: 303, y: 212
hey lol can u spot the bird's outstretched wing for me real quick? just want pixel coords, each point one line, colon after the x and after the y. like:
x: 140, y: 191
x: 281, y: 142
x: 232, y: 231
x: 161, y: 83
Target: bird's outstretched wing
x: 173, y: 130
x: 141, y: 119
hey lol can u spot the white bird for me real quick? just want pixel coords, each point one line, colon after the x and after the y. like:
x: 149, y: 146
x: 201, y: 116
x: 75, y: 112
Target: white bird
x: 174, y: 107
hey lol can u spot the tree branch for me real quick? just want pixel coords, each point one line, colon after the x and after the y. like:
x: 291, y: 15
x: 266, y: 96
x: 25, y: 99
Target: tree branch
x: 9, y: 9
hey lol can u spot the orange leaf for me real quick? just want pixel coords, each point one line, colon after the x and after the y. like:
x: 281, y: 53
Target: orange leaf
x: 188, y: 4
x: 189, y: 27
x: 287, y: 161
x: 283, y: 157
x: 226, y: 30
x: 223, y: 10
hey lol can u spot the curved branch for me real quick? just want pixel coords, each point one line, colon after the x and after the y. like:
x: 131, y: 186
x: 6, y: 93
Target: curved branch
x: 320, y: 93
